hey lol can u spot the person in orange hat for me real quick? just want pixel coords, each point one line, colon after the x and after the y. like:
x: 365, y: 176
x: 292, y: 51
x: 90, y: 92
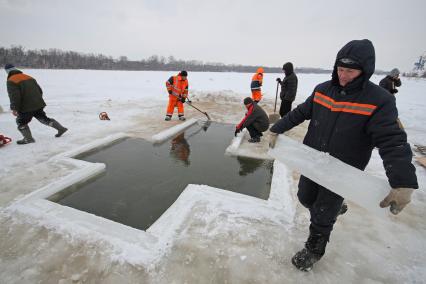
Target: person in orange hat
x: 177, y: 87
x: 256, y: 85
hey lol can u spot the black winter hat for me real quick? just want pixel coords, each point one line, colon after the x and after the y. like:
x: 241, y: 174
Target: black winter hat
x: 361, y: 51
x: 248, y: 101
x: 349, y: 63
x: 9, y: 67
x: 183, y: 73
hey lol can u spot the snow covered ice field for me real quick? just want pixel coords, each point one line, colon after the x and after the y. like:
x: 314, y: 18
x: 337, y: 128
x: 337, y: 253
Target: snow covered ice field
x: 217, y: 241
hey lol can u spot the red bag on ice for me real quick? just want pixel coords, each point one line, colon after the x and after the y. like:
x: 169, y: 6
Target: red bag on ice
x: 4, y: 140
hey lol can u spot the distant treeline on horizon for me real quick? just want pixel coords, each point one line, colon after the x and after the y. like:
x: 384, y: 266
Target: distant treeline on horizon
x: 58, y: 59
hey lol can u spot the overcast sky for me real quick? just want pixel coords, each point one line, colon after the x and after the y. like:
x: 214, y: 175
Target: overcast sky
x: 264, y: 33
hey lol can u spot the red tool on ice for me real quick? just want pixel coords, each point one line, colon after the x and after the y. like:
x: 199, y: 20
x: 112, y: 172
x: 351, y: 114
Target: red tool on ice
x: 103, y: 116
x: 4, y: 140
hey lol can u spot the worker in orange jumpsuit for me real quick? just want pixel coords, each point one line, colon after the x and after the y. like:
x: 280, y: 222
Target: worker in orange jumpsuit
x: 177, y: 86
x: 256, y: 84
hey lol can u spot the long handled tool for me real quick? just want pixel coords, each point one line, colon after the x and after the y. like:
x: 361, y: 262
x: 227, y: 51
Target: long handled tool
x: 203, y: 112
x: 190, y: 103
x: 274, y: 117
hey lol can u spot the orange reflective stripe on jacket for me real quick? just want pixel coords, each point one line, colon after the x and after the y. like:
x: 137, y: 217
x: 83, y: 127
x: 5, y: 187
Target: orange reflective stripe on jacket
x: 179, y: 86
x: 364, y: 109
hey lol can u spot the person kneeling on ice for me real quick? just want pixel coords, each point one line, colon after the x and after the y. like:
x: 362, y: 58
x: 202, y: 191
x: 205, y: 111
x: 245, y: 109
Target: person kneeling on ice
x: 26, y: 102
x: 256, y: 121
x: 177, y: 87
x: 349, y: 116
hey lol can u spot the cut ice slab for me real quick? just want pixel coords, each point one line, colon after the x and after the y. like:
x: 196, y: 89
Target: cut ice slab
x: 349, y: 182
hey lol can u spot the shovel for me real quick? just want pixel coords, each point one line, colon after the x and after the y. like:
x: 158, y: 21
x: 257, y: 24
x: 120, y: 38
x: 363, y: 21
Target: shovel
x: 203, y: 112
x: 274, y: 117
x: 190, y: 104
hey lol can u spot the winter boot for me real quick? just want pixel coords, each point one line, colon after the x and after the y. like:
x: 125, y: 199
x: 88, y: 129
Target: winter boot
x: 26, y: 132
x: 344, y: 208
x: 312, y: 252
x: 254, y: 139
x: 168, y: 118
x: 182, y: 118
x: 61, y: 130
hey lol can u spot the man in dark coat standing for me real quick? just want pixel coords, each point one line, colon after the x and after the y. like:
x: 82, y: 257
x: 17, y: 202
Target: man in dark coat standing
x: 391, y: 81
x: 288, y: 88
x: 256, y: 121
x: 349, y: 117
x: 26, y: 102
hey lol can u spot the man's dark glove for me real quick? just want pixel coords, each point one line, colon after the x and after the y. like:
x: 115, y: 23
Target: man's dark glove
x: 170, y: 92
x: 279, y: 80
x: 394, y: 91
x: 182, y: 99
x: 237, y: 130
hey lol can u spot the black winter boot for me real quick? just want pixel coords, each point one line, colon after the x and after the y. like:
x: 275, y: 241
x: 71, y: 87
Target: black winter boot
x: 312, y: 252
x: 254, y: 139
x: 26, y: 132
x: 61, y: 130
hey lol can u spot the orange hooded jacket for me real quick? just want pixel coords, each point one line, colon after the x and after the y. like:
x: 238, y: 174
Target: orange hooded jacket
x: 256, y: 84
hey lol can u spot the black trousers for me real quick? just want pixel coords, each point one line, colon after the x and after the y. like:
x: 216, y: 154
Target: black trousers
x: 253, y: 131
x: 323, y: 204
x: 285, y: 107
x: 25, y: 117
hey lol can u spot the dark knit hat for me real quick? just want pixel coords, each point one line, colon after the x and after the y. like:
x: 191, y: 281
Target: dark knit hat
x: 183, y: 73
x: 9, y: 67
x: 248, y: 101
x: 349, y: 63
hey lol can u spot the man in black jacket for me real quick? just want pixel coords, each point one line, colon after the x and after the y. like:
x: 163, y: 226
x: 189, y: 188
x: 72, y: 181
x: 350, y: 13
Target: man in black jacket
x: 26, y: 102
x: 349, y: 116
x: 391, y: 81
x: 288, y: 88
x: 256, y: 121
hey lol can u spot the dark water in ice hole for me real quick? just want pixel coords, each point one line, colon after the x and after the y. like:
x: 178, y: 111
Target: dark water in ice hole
x: 143, y: 180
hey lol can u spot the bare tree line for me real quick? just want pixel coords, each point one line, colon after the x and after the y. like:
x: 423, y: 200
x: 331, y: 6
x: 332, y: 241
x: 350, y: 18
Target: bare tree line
x: 58, y: 59
x: 415, y: 74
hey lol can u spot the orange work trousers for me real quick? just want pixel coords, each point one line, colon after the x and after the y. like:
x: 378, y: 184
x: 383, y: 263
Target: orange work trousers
x: 174, y: 102
x: 256, y: 95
